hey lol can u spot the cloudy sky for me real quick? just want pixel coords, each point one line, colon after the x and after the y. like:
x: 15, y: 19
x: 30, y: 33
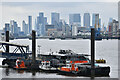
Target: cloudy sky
x: 20, y: 10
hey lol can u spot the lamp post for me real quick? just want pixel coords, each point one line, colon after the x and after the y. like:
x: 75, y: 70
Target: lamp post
x: 39, y: 49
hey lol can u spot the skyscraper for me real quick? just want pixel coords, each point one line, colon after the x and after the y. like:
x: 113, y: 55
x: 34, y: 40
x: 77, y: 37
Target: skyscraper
x: 87, y: 20
x: 7, y: 27
x: 40, y: 25
x: 30, y: 24
x: 74, y: 18
x: 25, y: 27
x: 95, y: 20
x: 99, y: 22
x: 55, y: 18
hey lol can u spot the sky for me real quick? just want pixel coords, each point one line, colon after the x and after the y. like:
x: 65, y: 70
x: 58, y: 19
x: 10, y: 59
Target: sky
x: 20, y: 11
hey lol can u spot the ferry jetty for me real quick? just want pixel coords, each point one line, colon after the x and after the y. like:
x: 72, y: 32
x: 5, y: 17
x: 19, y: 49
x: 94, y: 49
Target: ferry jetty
x: 65, y: 62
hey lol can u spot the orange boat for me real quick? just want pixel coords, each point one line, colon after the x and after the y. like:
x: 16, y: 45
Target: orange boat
x: 82, y: 67
x: 20, y: 64
x: 71, y: 67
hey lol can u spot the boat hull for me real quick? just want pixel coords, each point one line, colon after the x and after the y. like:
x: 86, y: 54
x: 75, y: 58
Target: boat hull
x: 49, y: 70
x: 99, y: 72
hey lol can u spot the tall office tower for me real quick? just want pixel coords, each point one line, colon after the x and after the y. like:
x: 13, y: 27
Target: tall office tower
x: 99, y: 22
x: 45, y: 20
x: 75, y: 18
x: 110, y: 19
x: 55, y: 18
x: 25, y: 28
x: 40, y: 25
x: 19, y: 30
x: 95, y: 20
x: 74, y: 30
x: 35, y: 28
x: 30, y: 24
x: 14, y: 28
x: 113, y: 27
x: 7, y: 27
x: 119, y: 13
x: 87, y: 20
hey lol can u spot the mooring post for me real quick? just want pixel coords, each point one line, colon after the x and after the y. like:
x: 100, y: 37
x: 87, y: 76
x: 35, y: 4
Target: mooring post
x: 33, y: 46
x: 92, y: 52
x: 7, y: 40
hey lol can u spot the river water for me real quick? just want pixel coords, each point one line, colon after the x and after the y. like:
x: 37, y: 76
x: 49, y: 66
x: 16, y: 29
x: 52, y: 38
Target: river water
x: 106, y: 49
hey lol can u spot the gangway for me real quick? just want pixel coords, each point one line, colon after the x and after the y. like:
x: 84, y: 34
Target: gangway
x: 19, y: 51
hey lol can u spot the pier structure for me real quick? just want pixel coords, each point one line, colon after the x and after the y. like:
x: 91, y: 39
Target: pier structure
x: 7, y: 40
x: 92, y: 53
x: 19, y: 51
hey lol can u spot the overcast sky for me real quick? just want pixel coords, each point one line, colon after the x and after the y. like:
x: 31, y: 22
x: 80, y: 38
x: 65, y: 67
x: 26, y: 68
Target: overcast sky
x: 19, y: 11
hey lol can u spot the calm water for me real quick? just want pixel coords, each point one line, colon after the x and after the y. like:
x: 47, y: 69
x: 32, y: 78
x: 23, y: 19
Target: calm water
x: 106, y: 49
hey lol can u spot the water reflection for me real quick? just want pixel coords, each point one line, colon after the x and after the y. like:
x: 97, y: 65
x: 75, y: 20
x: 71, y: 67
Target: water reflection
x: 33, y: 73
x: 20, y: 71
x: 7, y: 71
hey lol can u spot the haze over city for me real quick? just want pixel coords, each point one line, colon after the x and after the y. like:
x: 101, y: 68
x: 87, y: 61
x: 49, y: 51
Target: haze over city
x: 20, y: 11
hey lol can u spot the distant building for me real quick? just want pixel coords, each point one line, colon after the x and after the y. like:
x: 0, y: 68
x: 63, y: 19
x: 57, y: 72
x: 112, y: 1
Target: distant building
x: 100, y: 22
x: 113, y: 28
x: 30, y: 24
x: 87, y: 20
x: 110, y: 19
x: 95, y: 20
x: 49, y: 27
x: 7, y: 27
x: 14, y: 28
x: 74, y: 29
x: 19, y: 30
x: 55, y: 18
x: 40, y: 24
x: 50, y: 30
x: 25, y: 28
x: 45, y: 20
x: 67, y: 31
x: 74, y: 18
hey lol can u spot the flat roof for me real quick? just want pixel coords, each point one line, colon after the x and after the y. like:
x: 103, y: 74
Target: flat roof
x: 12, y: 44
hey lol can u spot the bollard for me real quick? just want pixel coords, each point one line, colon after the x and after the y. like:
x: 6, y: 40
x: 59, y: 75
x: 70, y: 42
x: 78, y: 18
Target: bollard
x: 92, y: 52
x: 7, y: 40
x: 33, y: 46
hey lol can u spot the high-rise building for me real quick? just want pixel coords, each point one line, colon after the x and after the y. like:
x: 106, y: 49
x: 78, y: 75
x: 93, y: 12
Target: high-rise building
x: 55, y: 18
x: 74, y: 29
x: 19, y: 30
x: 119, y: 13
x: 30, y: 24
x: 7, y: 27
x: 113, y: 28
x: 40, y: 24
x: 99, y: 22
x: 45, y: 20
x: 74, y: 18
x: 14, y: 28
x: 87, y: 20
x: 25, y: 27
x: 110, y: 19
x: 95, y: 20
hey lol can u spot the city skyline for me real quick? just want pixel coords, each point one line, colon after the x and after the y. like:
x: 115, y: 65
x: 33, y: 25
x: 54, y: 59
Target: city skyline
x: 64, y: 15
